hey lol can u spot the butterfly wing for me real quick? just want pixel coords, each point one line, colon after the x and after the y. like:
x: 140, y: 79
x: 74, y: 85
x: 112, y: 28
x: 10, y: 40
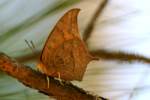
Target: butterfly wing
x: 64, y: 51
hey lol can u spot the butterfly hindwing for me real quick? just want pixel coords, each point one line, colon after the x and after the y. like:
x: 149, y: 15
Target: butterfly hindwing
x: 64, y: 51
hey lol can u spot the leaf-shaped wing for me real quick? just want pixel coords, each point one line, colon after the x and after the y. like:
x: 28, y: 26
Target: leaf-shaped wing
x: 64, y: 51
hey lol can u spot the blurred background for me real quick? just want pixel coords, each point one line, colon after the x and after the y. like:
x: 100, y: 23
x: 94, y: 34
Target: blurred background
x: 123, y: 26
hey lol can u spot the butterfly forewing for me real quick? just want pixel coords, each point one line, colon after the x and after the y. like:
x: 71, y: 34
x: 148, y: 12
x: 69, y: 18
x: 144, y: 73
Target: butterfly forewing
x: 64, y: 51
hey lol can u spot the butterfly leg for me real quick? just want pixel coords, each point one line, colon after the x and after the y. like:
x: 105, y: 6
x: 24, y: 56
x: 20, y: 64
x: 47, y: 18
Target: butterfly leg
x: 38, y: 68
x: 47, y: 79
x: 58, y: 73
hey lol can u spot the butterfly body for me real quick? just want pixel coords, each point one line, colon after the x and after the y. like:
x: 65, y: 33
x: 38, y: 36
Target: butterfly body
x: 64, y: 51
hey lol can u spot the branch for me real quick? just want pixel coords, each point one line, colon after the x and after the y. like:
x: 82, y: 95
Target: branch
x: 120, y: 56
x: 37, y: 80
x: 88, y: 31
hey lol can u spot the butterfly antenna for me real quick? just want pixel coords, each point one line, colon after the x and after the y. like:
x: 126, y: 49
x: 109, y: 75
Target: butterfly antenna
x: 31, y: 46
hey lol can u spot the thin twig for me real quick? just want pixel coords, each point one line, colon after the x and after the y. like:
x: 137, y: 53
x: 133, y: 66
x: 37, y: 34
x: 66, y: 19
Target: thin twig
x: 120, y: 56
x: 37, y: 80
x: 88, y: 30
x: 102, y: 54
x: 29, y: 57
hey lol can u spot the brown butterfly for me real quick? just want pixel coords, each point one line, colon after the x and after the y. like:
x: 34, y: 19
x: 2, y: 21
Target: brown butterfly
x: 64, y: 51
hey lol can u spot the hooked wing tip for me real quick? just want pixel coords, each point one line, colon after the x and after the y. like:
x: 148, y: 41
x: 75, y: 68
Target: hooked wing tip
x: 68, y: 22
x: 75, y: 9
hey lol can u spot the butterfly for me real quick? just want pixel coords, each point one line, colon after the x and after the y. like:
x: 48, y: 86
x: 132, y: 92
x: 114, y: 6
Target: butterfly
x: 64, y: 51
